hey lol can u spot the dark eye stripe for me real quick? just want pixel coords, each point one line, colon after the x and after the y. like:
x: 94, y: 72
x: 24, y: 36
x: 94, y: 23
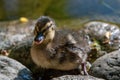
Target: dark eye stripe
x: 36, y: 30
x: 46, y: 28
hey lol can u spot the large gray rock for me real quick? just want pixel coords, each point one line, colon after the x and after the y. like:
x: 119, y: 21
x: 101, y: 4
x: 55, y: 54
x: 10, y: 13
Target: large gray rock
x: 76, y: 77
x: 13, y: 70
x: 107, y: 66
x: 14, y: 32
x: 103, y: 38
x: 106, y: 34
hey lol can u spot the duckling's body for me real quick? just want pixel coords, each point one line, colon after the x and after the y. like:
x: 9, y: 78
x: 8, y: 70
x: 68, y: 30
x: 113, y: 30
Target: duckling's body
x: 55, y: 56
x: 57, y: 51
x: 59, y: 61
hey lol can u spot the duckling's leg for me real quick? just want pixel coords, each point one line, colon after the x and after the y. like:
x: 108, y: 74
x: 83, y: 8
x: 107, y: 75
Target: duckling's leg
x: 84, y: 69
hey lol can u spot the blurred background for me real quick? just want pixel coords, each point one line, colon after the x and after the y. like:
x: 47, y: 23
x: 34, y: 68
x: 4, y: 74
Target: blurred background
x: 105, y: 10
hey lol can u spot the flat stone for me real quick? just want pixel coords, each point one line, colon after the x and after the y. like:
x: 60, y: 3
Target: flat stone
x: 76, y: 77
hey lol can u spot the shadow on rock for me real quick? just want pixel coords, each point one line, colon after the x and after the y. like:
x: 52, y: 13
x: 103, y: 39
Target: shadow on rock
x: 23, y: 75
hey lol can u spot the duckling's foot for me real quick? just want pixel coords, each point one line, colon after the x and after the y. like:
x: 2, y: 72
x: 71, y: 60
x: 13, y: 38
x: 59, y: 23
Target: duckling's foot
x: 84, y: 69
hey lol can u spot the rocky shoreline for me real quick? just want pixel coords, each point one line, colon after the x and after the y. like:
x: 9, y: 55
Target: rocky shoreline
x: 16, y: 39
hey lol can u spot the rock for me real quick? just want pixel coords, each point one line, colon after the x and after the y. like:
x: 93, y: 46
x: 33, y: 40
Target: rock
x: 76, y: 77
x: 11, y: 33
x: 12, y: 70
x: 106, y: 34
x: 103, y: 38
x: 107, y: 66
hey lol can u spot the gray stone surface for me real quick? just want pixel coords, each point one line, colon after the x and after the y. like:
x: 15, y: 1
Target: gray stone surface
x: 13, y: 70
x: 107, y: 66
x: 76, y: 77
x: 13, y: 32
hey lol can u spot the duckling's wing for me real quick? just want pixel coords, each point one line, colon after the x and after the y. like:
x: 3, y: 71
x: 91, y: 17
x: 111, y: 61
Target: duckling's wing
x: 71, y: 37
x: 77, y: 50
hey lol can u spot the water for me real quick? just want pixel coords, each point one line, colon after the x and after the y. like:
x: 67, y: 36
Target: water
x: 11, y: 8
x: 107, y: 10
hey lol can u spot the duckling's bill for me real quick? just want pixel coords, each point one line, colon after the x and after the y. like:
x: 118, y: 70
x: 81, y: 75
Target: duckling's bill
x: 39, y: 38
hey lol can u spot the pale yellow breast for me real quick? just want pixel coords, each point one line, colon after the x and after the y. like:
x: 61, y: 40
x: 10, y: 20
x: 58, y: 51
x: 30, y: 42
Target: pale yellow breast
x: 39, y: 57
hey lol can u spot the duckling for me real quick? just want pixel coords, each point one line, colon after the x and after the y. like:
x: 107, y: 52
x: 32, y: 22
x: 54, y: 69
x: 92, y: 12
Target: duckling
x: 53, y: 50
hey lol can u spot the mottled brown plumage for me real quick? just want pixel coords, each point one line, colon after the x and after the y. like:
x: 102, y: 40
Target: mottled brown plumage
x: 56, y: 49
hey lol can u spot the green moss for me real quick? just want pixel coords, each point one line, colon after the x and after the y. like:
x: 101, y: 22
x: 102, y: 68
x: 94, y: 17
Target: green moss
x: 2, y: 11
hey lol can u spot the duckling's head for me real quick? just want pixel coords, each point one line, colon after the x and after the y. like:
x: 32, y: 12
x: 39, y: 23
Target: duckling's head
x: 44, y: 30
